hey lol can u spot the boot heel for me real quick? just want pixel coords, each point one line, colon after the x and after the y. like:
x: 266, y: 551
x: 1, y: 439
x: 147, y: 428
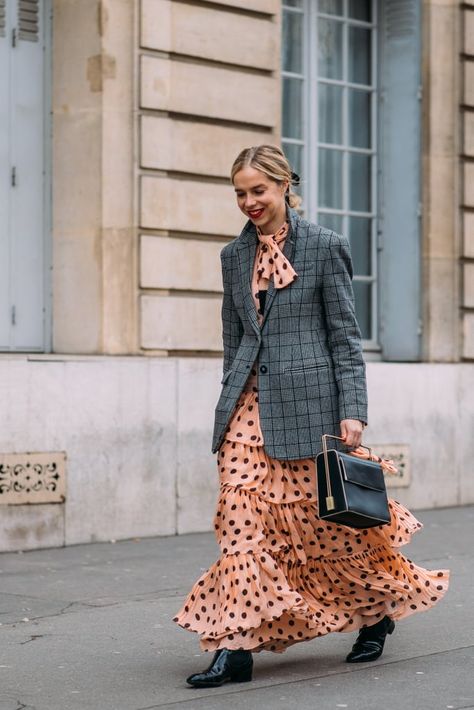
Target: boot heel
x: 243, y: 676
x: 391, y: 627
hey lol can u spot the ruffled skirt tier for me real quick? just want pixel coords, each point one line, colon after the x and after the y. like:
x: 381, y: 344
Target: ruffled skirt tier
x: 284, y: 575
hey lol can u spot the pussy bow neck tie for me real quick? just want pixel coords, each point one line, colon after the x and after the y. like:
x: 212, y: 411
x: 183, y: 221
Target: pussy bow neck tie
x: 271, y: 259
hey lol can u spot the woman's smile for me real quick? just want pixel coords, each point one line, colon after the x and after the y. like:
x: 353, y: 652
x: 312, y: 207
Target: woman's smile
x: 256, y: 214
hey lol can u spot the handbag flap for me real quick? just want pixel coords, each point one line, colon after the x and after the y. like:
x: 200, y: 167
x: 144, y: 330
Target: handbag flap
x: 367, y: 474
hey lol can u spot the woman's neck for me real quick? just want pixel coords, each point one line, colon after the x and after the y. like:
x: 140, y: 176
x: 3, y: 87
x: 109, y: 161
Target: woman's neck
x: 274, y: 225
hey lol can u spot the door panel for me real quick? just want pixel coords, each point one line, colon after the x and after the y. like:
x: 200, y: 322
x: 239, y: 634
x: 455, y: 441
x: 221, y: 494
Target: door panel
x: 400, y: 141
x: 4, y: 177
x: 25, y: 195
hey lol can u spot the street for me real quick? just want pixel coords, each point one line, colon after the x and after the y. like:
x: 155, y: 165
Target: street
x: 89, y: 628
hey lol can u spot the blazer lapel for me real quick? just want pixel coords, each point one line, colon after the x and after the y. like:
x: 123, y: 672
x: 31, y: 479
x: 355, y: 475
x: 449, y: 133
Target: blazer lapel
x: 289, y: 252
x: 246, y: 251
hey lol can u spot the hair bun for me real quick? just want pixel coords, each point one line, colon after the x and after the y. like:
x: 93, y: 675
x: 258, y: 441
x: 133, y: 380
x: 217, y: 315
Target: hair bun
x: 295, y: 179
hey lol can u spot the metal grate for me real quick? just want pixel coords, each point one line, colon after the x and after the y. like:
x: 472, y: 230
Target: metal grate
x: 2, y: 18
x: 28, y: 20
x: 33, y: 478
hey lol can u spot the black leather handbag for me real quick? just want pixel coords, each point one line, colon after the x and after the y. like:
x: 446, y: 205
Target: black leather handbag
x: 351, y: 491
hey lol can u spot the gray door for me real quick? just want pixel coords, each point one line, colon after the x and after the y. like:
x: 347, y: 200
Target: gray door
x: 400, y: 180
x: 4, y: 179
x: 22, y: 175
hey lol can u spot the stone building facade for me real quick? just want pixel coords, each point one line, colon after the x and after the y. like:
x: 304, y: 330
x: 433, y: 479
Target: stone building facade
x: 108, y: 396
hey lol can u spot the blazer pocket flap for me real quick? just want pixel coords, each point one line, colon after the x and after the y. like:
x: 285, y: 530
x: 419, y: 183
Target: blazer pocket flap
x: 298, y: 368
x: 361, y: 472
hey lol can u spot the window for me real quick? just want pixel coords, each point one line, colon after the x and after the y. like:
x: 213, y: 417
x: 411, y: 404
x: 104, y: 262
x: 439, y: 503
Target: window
x: 350, y: 128
x: 329, y: 116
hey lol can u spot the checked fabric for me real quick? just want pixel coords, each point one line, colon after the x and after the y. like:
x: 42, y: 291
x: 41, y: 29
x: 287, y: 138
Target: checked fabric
x: 307, y: 348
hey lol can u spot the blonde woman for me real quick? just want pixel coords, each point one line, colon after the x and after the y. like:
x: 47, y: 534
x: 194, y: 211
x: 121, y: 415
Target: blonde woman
x: 293, y: 370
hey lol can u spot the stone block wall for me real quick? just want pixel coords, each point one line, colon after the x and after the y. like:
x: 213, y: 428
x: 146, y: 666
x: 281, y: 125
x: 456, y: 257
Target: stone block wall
x: 208, y: 86
x: 93, y: 233
x: 135, y: 434
x: 152, y: 100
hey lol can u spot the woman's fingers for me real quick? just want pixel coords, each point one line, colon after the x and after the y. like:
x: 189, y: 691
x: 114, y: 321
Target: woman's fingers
x: 351, y: 431
x: 343, y: 429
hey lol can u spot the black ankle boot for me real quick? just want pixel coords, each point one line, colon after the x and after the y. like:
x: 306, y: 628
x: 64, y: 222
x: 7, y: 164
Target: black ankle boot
x: 226, y: 666
x: 370, y: 641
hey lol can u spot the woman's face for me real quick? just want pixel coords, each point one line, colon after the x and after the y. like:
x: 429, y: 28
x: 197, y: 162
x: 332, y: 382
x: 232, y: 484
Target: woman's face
x: 261, y: 199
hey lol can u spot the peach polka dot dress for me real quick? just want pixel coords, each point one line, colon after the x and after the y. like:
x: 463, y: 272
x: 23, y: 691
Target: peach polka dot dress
x: 284, y: 575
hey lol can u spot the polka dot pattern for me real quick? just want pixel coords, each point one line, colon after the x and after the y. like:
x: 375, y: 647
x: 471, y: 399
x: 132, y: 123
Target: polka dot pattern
x: 284, y: 575
x: 270, y: 261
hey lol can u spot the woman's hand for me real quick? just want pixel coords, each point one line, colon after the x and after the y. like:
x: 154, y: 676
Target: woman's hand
x: 351, y: 432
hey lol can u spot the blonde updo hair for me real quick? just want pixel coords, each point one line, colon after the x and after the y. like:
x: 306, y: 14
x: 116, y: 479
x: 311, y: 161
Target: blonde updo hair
x: 270, y: 160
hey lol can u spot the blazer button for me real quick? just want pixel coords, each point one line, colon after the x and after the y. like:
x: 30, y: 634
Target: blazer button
x: 263, y: 368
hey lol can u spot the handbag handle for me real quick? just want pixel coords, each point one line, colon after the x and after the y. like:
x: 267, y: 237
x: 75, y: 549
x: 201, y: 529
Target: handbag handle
x: 329, y: 498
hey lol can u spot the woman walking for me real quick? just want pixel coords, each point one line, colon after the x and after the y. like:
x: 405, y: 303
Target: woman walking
x: 293, y: 370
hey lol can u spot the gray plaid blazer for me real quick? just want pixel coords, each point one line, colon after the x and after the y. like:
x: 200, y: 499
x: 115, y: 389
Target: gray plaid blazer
x: 311, y: 371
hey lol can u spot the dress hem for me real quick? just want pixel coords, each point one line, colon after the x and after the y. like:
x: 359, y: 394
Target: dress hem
x: 290, y: 604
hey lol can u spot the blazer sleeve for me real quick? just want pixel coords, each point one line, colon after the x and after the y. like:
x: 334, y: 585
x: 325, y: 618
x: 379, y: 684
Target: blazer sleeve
x: 344, y: 336
x: 232, y: 328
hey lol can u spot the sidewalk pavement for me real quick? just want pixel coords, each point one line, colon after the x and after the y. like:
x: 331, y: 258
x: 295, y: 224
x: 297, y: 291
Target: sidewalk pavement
x: 89, y: 628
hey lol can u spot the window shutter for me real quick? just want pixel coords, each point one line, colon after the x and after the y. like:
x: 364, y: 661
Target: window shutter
x: 28, y: 20
x: 27, y: 139
x: 22, y: 178
x: 2, y: 18
x: 400, y: 153
x: 4, y: 178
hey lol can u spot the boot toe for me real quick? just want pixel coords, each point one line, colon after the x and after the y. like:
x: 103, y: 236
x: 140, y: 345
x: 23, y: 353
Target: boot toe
x: 226, y: 666
x: 365, y: 653
x: 194, y: 678
x: 202, y: 680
